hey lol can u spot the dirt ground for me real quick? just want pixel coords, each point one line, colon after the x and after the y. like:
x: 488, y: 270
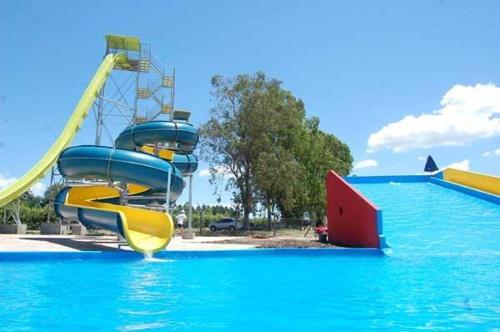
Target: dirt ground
x: 266, y: 239
x: 276, y: 243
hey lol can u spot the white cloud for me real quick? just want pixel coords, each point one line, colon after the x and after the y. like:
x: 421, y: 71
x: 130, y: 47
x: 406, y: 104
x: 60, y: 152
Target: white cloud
x: 220, y: 170
x: 38, y: 189
x: 467, y: 113
x: 204, y: 172
x: 365, y: 164
x: 422, y: 158
x: 462, y: 165
x: 5, y: 181
x: 490, y: 153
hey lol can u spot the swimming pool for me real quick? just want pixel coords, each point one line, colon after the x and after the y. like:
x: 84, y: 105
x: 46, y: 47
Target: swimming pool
x: 442, y: 271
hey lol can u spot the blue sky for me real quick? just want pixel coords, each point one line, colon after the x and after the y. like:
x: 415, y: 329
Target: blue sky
x: 358, y: 65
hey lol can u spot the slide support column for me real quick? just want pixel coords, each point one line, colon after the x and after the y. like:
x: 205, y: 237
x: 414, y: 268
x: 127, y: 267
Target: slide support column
x: 99, y: 116
x: 167, y: 201
x: 189, y: 235
x: 190, y: 220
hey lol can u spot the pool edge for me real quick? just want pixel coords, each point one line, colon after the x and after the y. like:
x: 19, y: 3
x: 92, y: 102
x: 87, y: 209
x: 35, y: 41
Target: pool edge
x: 125, y: 254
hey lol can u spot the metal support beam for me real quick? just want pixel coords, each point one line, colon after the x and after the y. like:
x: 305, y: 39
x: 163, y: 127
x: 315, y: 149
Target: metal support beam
x: 172, y: 95
x: 13, y: 210
x: 16, y: 212
x: 99, y: 117
x: 51, y: 202
x: 167, y: 201
x: 190, y: 215
x: 136, y: 98
x: 117, y: 103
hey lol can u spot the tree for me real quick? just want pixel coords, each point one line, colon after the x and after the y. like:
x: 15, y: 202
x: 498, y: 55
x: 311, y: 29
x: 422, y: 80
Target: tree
x: 277, y: 170
x: 241, y: 127
x: 260, y: 141
x: 27, y: 198
x: 318, y: 153
x: 278, y: 175
x: 52, y: 191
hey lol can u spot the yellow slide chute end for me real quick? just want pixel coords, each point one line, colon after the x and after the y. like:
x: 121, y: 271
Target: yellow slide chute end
x: 148, y: 235
x: 145, y: 231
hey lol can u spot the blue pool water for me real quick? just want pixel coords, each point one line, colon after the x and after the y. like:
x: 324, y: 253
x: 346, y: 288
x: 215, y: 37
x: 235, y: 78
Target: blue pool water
x: 442, y: 272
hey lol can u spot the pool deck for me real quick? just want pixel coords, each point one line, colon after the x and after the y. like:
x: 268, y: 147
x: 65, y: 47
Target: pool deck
x: 58, y: 243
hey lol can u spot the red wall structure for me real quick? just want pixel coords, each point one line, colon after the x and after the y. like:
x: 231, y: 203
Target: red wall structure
x: 353, y: 221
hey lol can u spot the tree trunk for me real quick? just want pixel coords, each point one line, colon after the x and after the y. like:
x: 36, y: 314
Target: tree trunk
x: 246, y: 199
x: 269, y: 216
x: 246, y: 218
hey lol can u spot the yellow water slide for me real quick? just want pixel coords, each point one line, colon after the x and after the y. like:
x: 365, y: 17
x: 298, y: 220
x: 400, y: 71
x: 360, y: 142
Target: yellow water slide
x: 484, y: 182
x: 69, y: 132
x: 145, y: 230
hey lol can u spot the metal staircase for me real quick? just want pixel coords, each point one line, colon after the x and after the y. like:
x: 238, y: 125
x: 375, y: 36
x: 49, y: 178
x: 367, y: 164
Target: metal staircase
x: 159, y: 89
x: 152, y: 81
x: 144, y: 65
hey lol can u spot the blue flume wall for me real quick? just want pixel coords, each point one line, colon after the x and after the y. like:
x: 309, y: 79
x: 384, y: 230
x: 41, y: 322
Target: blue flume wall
x: 387, y: 178
x: 466, y: 190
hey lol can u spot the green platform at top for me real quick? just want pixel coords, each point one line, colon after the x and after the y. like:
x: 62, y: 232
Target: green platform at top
x: 128, y: 43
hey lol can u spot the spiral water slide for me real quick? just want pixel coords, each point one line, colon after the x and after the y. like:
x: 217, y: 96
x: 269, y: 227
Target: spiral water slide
x: 133, y: 169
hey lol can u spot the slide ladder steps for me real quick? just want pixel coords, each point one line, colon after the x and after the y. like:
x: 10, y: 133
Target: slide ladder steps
x: 139, y: 119
x: 143, y: 93
x: 166, y: 108
x: 167, y: 82
x: 157, y: 67
x: 156, y: 98
x: 144, y: 65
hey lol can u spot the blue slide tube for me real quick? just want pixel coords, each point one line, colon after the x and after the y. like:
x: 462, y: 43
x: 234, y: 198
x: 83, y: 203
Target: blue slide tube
x: 153, y: 132
x: 126, y: 165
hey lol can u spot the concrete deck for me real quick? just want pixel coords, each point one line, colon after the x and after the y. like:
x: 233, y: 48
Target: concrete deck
x: 20, y: 243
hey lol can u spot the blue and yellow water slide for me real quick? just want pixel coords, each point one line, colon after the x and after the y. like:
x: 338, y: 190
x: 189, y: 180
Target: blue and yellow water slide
x: 134, y: 167
x: 145, y: 174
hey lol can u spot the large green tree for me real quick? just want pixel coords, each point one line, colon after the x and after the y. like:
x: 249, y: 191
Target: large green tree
x: 318, y: 153
x: 260, y: 141
x: 278, y: 177
x: 237, y: 132
x: 277, y: 170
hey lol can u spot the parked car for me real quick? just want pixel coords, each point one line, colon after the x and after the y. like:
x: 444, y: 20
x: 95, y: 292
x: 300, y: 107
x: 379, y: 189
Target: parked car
x: 225, y: 223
